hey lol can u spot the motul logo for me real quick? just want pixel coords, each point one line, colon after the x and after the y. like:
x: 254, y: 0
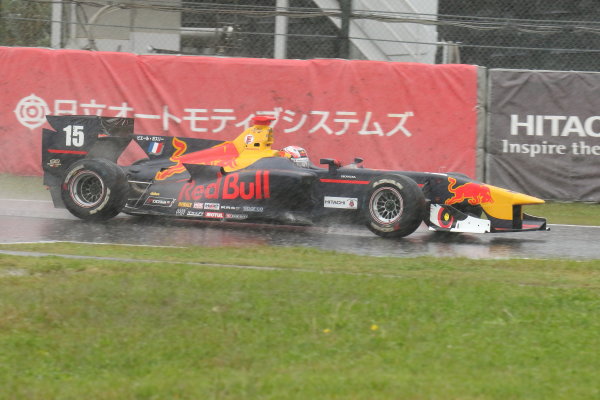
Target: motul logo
x: 228, y: 187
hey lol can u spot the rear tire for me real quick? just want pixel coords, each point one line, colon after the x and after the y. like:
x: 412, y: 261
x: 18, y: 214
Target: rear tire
x: 94, y: 189
x: 395, y: 206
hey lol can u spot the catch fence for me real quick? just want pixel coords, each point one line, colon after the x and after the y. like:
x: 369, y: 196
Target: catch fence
x: 524, y: 34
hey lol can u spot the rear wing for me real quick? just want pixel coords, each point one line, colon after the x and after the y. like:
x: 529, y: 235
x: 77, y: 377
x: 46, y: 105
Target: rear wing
x: 81, y: 136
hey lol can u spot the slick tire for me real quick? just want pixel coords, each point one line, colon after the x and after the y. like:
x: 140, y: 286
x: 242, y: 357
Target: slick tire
x: 94, y: 189
x: 394, y: 207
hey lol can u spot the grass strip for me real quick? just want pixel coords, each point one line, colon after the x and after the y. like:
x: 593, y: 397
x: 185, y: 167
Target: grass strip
x: 422, y: 328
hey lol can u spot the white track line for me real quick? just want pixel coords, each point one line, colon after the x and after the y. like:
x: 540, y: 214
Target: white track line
x: 93, y: 243
x: 27, y: 200
x: 575, y: 226
x: 199, y: 264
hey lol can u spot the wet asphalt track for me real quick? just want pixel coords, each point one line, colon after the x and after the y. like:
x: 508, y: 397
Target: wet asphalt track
x: 38, y: 220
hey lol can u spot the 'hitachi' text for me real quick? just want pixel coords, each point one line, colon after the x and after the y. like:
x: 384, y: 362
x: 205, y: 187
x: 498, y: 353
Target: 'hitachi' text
x: 554, y: 125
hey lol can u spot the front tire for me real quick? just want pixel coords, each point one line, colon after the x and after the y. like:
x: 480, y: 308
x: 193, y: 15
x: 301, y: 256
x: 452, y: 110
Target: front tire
x: 94, y: 189
x: 395, y: 206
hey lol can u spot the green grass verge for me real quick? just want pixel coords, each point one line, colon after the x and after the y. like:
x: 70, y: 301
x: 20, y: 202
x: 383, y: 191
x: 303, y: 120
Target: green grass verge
x: 322, y: 326
x: 567, y: 213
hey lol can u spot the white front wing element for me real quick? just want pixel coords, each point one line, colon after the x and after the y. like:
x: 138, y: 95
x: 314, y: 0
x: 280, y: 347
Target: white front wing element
x: 448, y: 219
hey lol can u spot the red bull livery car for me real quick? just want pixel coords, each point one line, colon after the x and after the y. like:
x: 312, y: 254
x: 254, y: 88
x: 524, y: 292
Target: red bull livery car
x: 247, y: 180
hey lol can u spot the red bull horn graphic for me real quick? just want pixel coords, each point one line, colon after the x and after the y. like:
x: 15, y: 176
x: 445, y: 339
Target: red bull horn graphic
x: 180, y: 148
x: 473, y: 192
x: 223, y: 155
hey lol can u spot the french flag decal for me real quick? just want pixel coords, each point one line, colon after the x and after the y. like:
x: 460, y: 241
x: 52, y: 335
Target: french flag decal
x: 155, y: 148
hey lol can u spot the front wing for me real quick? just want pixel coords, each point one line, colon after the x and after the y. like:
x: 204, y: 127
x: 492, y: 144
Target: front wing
x: 446, y: 218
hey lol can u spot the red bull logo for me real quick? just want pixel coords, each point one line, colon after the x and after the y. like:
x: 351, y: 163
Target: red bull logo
x: 228, y: 187
x: 475, y: 193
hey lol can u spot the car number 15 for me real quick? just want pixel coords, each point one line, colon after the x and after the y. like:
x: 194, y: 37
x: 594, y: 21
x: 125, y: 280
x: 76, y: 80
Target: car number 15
x: 74, y: 135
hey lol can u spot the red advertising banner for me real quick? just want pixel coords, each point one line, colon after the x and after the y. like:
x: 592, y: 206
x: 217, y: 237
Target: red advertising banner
x: 394, y: 115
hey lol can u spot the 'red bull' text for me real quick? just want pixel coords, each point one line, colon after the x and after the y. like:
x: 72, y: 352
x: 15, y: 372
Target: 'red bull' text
x: 228, y: 187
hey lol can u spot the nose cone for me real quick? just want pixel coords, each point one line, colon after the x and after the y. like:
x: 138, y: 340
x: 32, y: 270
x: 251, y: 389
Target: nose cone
x: 513, y: 198
x: 503, y: 201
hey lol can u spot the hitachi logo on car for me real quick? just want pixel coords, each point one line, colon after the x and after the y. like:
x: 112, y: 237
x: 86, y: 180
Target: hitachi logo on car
x: 347, y: 203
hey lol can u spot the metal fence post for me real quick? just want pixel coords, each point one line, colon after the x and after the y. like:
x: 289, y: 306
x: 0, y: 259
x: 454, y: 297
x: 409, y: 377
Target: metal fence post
x: 343, y: 42
x: 281, y: 30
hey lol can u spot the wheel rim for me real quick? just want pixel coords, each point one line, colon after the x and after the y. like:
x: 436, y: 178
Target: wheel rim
x: 386, y: 205
x: 87, y: 189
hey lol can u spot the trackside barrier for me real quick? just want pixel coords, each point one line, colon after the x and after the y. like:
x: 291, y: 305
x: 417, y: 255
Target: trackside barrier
x: 394, y: 115
x: 544, y: 133
x: 537, y: 132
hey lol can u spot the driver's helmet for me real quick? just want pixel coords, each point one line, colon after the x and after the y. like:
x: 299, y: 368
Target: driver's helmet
x: 298, y: 155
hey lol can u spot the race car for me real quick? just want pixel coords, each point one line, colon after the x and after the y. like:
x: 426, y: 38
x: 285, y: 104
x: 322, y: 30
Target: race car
x: 245, y: 179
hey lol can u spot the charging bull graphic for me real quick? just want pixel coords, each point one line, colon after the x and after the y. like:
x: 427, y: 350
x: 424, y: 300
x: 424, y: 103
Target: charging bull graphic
x: 473, y: 192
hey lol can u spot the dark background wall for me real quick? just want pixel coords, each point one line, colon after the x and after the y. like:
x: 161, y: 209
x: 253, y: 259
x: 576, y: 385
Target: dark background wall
x: 528, y: 34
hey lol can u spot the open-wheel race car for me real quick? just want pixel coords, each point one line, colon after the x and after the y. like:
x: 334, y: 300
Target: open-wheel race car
x: 245, y: 179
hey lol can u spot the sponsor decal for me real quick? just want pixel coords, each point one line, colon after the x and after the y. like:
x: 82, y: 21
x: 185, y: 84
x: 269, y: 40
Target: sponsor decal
x: 185, y: 204
x: 475, y: 193
x: 231, y: 208
x: 198, y: 206
x: 212, y: 206
x: 249, y: 139
x: 348, y: 177
x: 192, y: 213
x: 159, y: 201
x: 213, y: 214
x: 154, y: 194
x: 228, y: 187
x: 347, y: 203
x: 149, y: 138
x: 253, y: 209
x: 155, y: 148
x: 54, y: 163
x: 236, y: 216
x: 180, y: 212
